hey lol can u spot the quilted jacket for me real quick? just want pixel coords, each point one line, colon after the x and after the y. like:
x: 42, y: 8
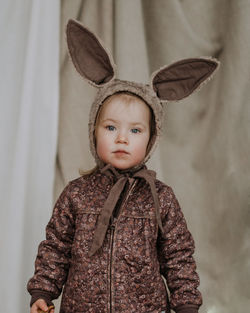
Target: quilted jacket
x: 136, y: 262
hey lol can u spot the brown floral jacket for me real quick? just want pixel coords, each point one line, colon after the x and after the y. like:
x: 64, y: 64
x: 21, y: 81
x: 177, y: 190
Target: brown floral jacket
x: 126, y: 273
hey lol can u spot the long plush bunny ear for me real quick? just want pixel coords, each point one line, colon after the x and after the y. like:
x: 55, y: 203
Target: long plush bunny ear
x: 180, y: 79
x: 89, y: 56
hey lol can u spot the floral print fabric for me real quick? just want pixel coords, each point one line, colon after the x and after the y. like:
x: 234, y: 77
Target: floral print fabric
x: 125, y: 274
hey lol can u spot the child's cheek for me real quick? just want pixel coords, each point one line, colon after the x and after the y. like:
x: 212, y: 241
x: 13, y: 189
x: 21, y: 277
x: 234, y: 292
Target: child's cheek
x: 139, y: 153
x: 102, y: 148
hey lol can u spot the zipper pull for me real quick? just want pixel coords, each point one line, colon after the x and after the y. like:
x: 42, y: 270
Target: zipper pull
x: 113, y: 222
x: 130, y: 181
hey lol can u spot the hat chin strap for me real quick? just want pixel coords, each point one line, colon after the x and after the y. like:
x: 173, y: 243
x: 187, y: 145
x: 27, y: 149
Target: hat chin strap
x: 114, y: 194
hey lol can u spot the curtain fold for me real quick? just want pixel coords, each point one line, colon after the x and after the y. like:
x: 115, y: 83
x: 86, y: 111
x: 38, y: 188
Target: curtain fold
x: 29, y: 114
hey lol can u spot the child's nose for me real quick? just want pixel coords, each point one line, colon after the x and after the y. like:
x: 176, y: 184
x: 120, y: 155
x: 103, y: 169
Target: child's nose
x: 122, y: 138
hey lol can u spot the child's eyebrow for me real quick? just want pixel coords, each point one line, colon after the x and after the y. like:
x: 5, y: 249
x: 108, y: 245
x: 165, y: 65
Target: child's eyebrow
x: 137, y: 123
x: 109, y: 120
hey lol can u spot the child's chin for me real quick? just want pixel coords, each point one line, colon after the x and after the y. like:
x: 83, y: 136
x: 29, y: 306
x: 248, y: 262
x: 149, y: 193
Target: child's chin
x: 123, y: 166
x: 120, y: 167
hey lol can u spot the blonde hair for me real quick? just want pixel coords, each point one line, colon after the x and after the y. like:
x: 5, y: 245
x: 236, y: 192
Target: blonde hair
x: 88, y: 172
x: 128, y: 98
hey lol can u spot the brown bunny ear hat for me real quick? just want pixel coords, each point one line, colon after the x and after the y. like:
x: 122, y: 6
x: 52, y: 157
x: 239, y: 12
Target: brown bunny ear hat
x: 170, y: 83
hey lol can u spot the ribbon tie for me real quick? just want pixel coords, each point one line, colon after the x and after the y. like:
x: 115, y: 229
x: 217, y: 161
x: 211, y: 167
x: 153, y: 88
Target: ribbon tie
x: 113, y: 197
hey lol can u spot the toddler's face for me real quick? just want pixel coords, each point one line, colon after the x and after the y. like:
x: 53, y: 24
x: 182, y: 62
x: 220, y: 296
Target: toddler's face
x: 123, y: 132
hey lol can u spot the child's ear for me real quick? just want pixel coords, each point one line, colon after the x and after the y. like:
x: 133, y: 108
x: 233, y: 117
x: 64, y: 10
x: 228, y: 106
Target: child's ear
x: 180, y: 79
x: 89, y: 56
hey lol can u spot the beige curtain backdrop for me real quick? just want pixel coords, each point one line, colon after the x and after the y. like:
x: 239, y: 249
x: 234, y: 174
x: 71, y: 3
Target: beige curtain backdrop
x: 205, y: 147
x: 29, y: 100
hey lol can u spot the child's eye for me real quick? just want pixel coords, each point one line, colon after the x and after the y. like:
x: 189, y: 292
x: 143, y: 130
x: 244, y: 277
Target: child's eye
x: 110, y: 127
x: 135, y: 130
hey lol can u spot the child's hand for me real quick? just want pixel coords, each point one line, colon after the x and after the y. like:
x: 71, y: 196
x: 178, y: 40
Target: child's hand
x: 40, y: 306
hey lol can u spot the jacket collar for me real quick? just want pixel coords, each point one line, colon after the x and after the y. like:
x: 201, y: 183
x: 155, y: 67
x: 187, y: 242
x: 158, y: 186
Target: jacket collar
x: 121, y: 177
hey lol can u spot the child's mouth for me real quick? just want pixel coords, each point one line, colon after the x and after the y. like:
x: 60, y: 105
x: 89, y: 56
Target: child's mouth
x: 120, y: 152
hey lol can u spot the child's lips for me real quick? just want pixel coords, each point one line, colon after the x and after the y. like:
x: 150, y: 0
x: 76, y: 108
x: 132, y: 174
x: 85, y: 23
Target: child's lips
x: 120, y: 152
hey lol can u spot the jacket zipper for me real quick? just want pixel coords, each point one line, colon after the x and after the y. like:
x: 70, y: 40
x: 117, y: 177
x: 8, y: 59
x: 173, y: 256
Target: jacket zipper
x: 110, y: 266
x: 112, y: 243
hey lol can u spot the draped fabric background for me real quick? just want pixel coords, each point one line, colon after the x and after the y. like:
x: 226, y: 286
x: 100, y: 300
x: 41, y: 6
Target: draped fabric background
x: 204, y: 151
x: 29, y: 93
x: 205, y: 147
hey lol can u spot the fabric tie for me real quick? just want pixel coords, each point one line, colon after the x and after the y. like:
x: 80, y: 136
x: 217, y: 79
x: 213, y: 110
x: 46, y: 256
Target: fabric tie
x: 113, y: 197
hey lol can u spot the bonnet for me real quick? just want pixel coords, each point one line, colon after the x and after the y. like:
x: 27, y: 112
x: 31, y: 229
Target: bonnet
x: 170, y: 83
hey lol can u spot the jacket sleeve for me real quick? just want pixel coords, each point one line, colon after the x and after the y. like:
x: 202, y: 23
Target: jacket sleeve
x: 175, y: 253
x: 54, y: 253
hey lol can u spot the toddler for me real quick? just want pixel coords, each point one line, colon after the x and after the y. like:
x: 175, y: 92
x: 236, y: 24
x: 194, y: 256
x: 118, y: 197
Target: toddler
x: 117, y: 240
